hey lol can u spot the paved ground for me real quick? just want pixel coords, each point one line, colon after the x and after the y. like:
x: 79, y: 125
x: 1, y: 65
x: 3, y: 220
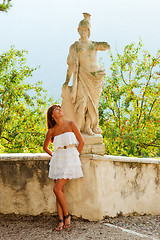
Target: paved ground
x: 18, y: 227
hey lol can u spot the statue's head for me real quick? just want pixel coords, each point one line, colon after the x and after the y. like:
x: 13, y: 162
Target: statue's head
x: 85, y: 24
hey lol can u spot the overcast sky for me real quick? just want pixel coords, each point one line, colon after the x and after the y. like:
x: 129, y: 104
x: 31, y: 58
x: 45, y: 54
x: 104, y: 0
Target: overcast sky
x: 47, y: 29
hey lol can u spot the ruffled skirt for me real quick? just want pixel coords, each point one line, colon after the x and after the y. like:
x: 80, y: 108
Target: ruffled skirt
x: 65, y: 163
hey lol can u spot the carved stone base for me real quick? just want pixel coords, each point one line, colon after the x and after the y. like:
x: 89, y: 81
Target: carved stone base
x: 93, y: 144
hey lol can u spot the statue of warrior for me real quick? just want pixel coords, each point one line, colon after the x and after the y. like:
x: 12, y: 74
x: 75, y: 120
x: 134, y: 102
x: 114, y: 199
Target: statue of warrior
x: 88, y: 76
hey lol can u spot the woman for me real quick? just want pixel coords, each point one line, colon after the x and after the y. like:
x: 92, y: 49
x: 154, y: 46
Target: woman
x: 65, y: 163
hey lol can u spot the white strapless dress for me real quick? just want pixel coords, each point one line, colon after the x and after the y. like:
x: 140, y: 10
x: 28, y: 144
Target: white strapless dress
x: 65, y: 163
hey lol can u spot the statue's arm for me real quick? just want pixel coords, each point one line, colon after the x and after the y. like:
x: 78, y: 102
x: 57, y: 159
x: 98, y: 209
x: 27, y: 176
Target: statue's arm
x: 102, y: 46
x: 70, y: 62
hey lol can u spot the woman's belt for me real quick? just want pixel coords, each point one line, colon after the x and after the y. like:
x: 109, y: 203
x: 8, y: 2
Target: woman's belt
x: 68, y: 146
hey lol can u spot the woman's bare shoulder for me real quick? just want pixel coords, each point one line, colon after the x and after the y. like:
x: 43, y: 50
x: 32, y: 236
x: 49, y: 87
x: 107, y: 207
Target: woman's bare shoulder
x: 73, y: 126
x: 71, y: 123
x: 68, y: 122
x: 51, y: 131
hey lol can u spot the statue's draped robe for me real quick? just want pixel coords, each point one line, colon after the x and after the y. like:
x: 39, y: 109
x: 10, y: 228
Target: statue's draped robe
x: 86, y: 89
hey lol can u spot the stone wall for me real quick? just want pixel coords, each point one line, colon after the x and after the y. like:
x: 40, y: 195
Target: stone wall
x: 111, y: 185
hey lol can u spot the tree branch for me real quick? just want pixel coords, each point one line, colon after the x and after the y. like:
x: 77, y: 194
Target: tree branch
x: 145, y: 93
x: 151, y: 143
x: 113, y: 111
x: 11, y: 147
x: 118, y: 115
x: 152, y: 105
x: 122, y: 75
x: 6, y: 139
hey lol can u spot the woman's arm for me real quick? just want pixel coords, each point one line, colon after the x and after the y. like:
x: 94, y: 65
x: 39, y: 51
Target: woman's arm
x: 78, y: 136
x: 46, y: 143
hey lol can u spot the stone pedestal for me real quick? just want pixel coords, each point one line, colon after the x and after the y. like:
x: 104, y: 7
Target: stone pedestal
x: 93, y: 144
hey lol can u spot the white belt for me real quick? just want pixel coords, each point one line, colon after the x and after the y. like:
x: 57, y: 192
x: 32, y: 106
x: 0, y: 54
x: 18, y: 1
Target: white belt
x: 68, y: 146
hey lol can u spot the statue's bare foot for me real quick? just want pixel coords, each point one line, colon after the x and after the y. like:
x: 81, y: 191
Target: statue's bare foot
x: 97, y: 130
x: 88, y: 131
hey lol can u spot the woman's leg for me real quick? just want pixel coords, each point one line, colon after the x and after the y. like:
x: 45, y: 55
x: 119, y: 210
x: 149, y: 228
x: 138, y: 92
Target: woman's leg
x: 60, y: 210
x: 61, y: 199
x: 60, y: 213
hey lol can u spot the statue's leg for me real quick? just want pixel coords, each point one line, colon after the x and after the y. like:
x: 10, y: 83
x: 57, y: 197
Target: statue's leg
x: 97, y: 130
x: 87, y: 128
x: 80, y: 114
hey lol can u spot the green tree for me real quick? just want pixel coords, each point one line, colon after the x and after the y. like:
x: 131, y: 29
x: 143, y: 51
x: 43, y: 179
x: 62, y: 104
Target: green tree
x: 5, y: 6
x: 22, y: 105
x: 130, y: 103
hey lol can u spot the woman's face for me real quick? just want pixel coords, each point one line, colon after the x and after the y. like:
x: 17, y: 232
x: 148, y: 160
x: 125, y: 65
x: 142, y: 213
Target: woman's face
x: 57, y: 112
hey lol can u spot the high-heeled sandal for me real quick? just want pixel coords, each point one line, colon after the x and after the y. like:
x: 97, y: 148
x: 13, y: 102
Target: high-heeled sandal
x: 67, y: 226
x: 60, y: 228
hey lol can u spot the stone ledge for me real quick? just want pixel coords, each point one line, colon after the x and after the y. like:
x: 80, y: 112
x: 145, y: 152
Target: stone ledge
x: 130, y: 159
x: 45, y: 156
x: 112, y: 158
x: 24, y: 156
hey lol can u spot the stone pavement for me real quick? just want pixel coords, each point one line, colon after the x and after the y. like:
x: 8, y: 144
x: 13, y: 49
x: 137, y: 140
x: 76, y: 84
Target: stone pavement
x: 18, y: 227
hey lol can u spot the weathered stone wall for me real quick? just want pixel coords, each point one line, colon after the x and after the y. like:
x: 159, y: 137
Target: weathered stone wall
x: 24, y: 184
x: 111, y: 185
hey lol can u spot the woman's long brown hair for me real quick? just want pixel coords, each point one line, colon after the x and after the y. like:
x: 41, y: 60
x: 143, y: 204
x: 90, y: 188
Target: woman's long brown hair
x: 50, y: 121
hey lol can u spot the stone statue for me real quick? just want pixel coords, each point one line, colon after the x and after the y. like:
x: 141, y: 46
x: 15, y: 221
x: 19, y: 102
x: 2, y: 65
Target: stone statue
x: 80, y: 101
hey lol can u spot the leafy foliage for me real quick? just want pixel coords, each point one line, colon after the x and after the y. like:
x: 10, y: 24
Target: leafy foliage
x: 5, y: 6
x: 130, y: 104
x: 22, y: 105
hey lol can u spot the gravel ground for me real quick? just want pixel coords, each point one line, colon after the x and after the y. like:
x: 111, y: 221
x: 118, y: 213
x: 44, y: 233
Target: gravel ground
x: 147, y: 224
x: 42, y: 227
